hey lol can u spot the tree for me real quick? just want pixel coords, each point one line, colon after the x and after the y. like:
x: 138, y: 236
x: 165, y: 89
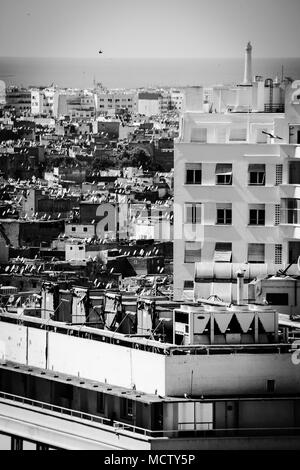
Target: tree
x: 140, y: 158
x: 102, y: 163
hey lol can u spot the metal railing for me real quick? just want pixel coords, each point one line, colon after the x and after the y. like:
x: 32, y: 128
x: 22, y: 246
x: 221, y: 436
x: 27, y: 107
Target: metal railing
x: 195, y: 426
x: 55, y: 408
x: 198, y: 428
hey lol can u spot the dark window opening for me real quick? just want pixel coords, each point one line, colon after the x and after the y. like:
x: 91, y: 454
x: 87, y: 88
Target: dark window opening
x: 270, y: 386
x: 100, y: 402
x: 277, y: 298
x: 127, y: 409
x: 257, y: 217
x: 181, y: 317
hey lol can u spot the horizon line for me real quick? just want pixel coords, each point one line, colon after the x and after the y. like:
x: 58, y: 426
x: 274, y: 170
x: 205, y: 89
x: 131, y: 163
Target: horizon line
x: 148, y: 58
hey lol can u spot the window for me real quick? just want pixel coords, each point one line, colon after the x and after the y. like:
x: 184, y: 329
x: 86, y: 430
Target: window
x: 256, y: 253
x: 270, y: 386
x: 278, y: 176
x: 126, y: 409
x: 276, y: 298
x: 188, y: 285
x: 238, y: 135
x: 193, y: 173
x: 289, y: 213
x: 294, y: 251
x: 224, y: 214
x: 224, y: 173
x: 85, y: 229
x: 278, y: 254
x: 192, y: 252
x: 277, y: 214
x: 100, y: 402
x: 73, y: 229
x: 223, y: 252
x: 80, y: 248
x: 199, y: 134
x: 193, y: 213
x: 256, y: 214
x: 181, y: 317
x: 257, y: 174
x: 294, y: 173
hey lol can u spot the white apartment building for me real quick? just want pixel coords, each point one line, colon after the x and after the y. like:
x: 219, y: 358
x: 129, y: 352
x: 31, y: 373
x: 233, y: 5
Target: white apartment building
x: 152, y: 103
x: 177, y: 99
x: 149, y: 104
x: 237, y: 188
x: 42, y: 101
x: 18, y: 100
x: 74, y: 103
x: 115, y: 100
x: 2, y: 92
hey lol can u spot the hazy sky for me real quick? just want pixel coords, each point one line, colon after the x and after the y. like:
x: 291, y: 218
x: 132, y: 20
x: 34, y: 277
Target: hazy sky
x: 149, y: 28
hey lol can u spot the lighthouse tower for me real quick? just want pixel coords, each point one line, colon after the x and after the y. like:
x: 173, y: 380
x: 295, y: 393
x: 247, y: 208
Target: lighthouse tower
x: 248, y: 65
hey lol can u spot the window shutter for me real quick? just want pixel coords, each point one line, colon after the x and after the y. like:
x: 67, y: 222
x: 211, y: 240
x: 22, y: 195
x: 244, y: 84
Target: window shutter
x: 223, y: 169
x: 223, y: 253
x: 256, y: 253
x: 199, y: 134
x: 238, y: 135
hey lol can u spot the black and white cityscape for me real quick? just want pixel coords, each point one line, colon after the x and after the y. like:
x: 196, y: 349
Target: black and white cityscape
x: 149, y: 227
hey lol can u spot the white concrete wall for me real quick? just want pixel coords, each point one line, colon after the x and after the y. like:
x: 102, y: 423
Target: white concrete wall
x: 75, y: 252
x: 13, y: 340
x: 230, y: 374
x: 149, y: 372
x: 114, y: 364
x: 79, y: 230
x: 37, y: 348
x: 149, y: 107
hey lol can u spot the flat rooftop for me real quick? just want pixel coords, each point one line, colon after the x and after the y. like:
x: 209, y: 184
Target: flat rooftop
x: 142, y: 343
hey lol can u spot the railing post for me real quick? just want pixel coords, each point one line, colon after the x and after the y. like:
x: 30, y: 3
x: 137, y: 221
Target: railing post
x: 40, y: 446
x: 16, y: 443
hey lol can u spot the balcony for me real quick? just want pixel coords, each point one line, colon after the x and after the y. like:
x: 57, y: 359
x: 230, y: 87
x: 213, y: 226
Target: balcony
x: 290, y: 216
x: 290, y: 222
x: 274, y: 108
x: 289, y: 191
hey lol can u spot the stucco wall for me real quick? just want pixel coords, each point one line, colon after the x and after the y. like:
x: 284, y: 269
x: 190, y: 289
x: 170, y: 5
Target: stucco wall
x: 114, y: 364
x: 13, y: 342
x: 231, y: 374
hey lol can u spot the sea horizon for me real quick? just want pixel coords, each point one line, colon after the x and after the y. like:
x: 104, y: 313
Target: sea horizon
x: 138, y: 72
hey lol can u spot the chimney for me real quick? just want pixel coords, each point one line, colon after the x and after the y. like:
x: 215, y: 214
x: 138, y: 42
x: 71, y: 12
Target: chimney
x: 248, y: 65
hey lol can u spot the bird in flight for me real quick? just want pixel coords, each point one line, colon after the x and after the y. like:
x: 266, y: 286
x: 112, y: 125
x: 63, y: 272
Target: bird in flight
x: 100, y: 52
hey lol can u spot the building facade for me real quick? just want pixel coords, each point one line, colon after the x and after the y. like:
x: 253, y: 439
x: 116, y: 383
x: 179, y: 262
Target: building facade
x: 236, y: 189
x: 42, y: 101
x: 18, y: 100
